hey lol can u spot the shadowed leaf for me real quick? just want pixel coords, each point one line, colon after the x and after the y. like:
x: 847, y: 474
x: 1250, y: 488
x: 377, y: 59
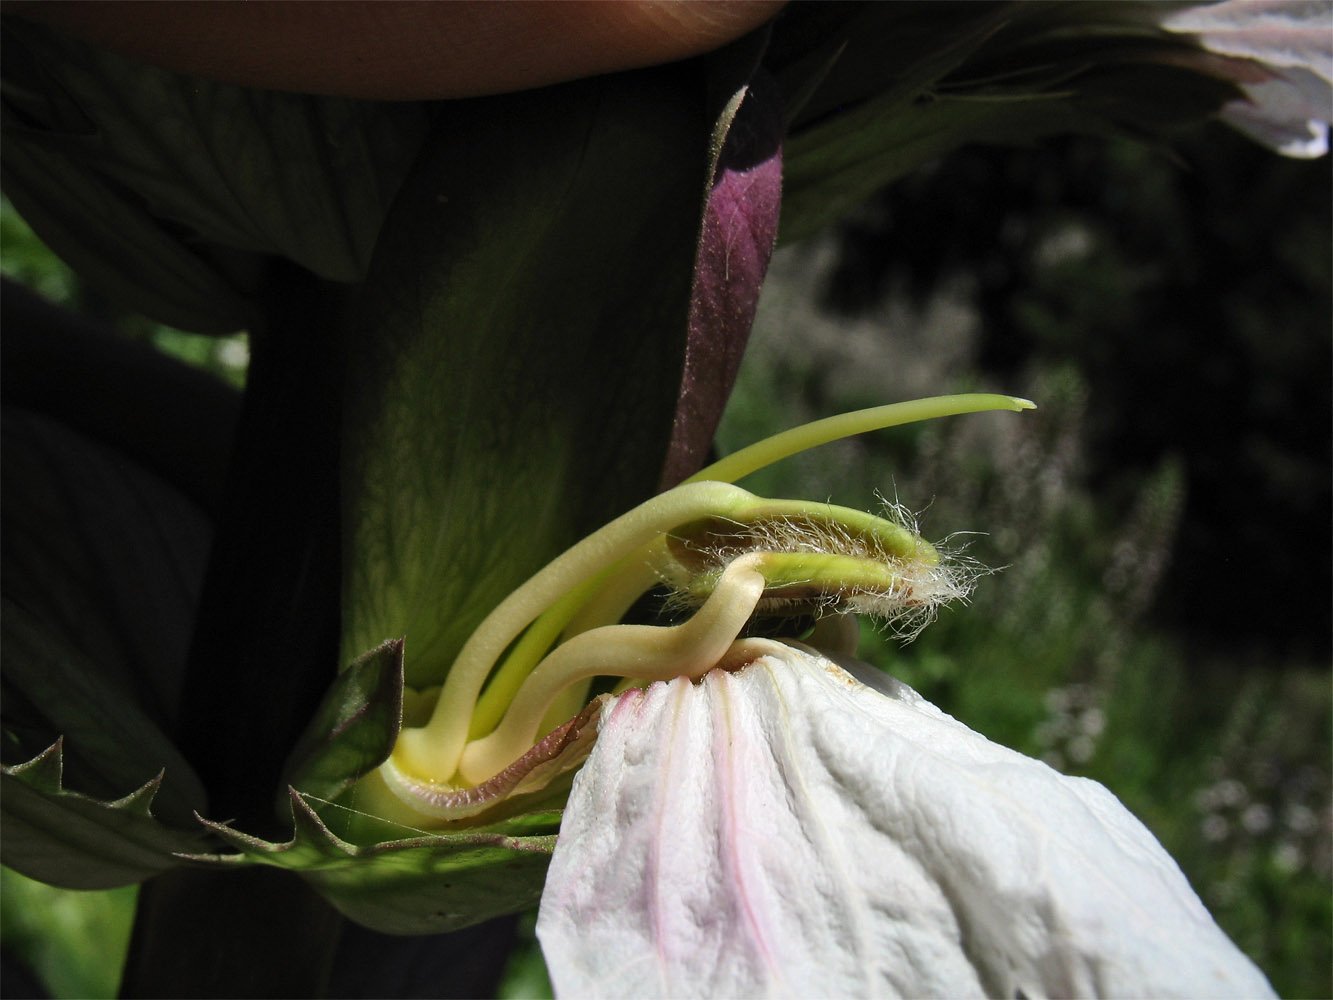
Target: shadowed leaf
x: 169, y: 191
x: 102, y: 566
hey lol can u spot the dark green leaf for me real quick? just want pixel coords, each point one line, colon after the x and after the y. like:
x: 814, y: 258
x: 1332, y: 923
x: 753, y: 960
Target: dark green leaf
x: 892, y: 86
x: 52, y: 687
x: 832, y: 169
x: 102, y: 233
x: 77, y: 842
x: 174, y: 420
x: 102, y: 569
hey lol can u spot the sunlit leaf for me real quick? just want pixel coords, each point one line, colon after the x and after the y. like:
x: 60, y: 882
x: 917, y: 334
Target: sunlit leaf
x: 423, y: 883
x: 518, y: 349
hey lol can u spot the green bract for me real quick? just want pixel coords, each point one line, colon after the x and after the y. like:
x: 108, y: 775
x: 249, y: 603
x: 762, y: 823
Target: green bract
x: 78, y: 842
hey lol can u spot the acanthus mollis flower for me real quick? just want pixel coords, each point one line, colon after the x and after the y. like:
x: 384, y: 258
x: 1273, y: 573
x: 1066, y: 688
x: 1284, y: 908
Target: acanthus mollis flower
x: 762, y: 814
x: 472, y: 288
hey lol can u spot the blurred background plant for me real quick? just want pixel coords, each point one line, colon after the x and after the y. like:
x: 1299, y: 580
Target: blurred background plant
x: 1161, y: 621
x: 27, y: 260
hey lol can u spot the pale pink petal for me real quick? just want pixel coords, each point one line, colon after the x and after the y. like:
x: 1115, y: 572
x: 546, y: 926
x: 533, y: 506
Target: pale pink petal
x: 787, y: 831
x: 1288, y: 113
x: 1293, y: 40
x: 1296, y: 33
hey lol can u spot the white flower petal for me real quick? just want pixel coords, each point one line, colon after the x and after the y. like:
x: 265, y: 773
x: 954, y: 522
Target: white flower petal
x: 786, y: 830
x: 1293, y: 40
x: 1288, y: 113
x: 1296, y: 33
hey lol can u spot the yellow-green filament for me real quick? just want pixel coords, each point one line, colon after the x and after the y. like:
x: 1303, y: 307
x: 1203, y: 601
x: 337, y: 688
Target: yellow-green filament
x: 644, y: 652
x: 637, y: 574
x: 531, y: 647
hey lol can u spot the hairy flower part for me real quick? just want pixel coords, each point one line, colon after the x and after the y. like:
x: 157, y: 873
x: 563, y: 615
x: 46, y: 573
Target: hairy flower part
x: 827, y: 560
x: 1282, y: 56
x: 784, y: 829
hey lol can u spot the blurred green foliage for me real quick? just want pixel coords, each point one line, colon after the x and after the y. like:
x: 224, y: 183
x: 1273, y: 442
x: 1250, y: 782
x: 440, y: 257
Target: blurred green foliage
x: 26, y: 259
x: 74, y: 942
x: 525, y: 976
x: 1191, y: 292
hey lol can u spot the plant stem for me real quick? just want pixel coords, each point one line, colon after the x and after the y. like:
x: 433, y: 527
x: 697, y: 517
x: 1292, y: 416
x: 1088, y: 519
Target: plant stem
x: 265, y: 644
x: 249, y: 932
x: 264, y: 650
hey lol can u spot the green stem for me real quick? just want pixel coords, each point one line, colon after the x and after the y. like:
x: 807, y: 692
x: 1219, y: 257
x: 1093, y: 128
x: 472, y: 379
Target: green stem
x: 250, y: 932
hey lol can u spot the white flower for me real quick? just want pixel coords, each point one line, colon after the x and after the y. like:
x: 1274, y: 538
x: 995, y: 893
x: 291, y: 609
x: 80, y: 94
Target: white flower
x: 1288, y: 79
x: 786, y: 830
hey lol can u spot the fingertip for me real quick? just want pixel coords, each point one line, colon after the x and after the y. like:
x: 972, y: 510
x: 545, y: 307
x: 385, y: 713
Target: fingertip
x: 392, y: 50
